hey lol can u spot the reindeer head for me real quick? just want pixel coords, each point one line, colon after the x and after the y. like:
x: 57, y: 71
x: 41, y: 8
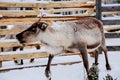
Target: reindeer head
x: 30, y: 34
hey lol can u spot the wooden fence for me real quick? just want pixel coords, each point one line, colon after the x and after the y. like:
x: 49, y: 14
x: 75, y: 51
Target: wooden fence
x: 107, y: 9
x: 24, y: 16
x: 13, y: 17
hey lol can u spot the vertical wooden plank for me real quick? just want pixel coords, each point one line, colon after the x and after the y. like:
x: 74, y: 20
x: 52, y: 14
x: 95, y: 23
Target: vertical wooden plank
x: 98, y: 14
x: 98, y: 9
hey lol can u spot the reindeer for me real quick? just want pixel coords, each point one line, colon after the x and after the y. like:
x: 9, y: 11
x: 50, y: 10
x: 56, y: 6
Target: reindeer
x: 84, y: 35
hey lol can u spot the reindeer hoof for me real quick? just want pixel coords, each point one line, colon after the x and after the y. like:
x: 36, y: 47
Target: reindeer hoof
x: 48, y: 75
x: 108, y: 67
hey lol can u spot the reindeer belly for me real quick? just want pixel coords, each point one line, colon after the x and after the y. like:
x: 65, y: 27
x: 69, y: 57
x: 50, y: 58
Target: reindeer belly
x: 91, y: 38
x: 91, y: 48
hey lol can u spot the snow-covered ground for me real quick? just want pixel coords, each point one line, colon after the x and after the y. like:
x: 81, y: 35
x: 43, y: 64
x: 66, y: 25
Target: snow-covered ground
x: 62, y: 72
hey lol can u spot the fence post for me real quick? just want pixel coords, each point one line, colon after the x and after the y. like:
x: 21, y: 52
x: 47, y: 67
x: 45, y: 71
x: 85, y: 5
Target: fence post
x: 98, y: 9
x: 99, y: 15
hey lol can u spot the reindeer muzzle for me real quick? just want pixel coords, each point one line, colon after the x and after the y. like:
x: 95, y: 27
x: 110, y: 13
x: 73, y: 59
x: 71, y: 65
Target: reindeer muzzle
x: 20, y: 38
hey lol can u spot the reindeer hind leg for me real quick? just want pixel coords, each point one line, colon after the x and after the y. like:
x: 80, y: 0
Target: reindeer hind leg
x: 104, y: 48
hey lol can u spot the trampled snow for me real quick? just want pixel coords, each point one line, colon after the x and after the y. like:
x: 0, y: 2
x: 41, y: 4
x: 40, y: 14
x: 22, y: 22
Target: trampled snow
x: 62, y: 72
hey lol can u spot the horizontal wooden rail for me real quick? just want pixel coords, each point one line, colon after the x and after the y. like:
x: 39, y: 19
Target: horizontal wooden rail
x: 13, y: 43
x: 26, y: 55
x: 18, y: 13
x: 111, y: 22
x: 7, y: 56
x: 5, y: 31
x: 31, y: 20
x: 66, y: 10
x: 34, y: 13
x: 14, y: 13
x: 111, y: 8
x: 112, y: 35
x: 66, y: 4
x: 16, y: 4
x: 23, y: 55
x: 111, y: 12
x: 9, y: 43
x: 112, y: 29
x: 59, y: 4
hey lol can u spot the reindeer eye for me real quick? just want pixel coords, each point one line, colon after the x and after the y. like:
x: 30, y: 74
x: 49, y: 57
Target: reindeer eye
x: 44, y: 25
x: 33, y: 30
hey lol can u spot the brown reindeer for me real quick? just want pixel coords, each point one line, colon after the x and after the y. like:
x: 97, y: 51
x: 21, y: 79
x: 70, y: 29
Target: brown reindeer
x: 85, y: 35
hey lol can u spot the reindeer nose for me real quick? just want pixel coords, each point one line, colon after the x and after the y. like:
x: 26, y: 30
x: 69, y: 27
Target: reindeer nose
x: 20, y: 38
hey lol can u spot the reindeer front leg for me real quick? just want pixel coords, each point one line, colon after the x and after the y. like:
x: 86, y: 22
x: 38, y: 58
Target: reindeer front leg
x: 85, y: 59
x: 54, y: 51
x: 47, y: 70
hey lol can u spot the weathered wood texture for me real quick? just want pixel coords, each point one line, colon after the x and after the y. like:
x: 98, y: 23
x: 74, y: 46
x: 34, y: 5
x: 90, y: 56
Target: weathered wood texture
x: 111, y: 22
x: 112, y: 35
x: 27, y: 55
x: 53, y: 64
x: 110, y: 8
x: 18, y: 13
x: 51, y: 11
x: 11, y: 43
x: 30, y: 20
x: 113, y: 29
x: 47, y: 7
x: 6, y: 31
x: 107, y: 10
x: 58, y: 4
x: 29, y: 16
x: 111, y: 12
x: 98, y: 9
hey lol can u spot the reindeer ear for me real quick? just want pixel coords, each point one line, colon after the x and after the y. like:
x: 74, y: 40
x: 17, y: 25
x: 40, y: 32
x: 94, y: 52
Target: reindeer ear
x: 42, y: 26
